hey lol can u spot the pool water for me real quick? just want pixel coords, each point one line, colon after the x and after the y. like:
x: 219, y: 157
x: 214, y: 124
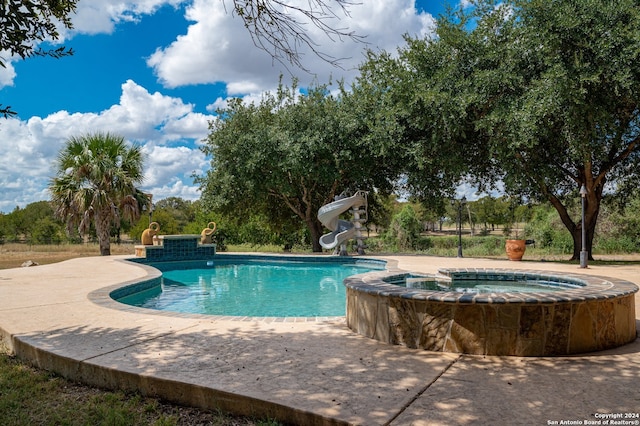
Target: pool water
x: 261, y: 289
x: 473, y: 286
x: 481, y: 285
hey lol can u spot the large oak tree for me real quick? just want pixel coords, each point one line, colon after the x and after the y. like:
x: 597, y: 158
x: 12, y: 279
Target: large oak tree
x: 289, y: 155
x: 542, y: 95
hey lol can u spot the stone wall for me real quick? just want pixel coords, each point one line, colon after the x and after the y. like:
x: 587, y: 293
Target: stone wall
x: 566, y: 325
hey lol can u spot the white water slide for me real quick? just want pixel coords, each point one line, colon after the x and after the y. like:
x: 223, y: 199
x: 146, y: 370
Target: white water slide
x: 341, y: 230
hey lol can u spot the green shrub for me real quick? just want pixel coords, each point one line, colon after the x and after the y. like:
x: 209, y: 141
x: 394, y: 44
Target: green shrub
x: 445, y: 243
x: 617, y: 244
x: 405, y: 229
x: 46, y: 231
x: 424, y: 244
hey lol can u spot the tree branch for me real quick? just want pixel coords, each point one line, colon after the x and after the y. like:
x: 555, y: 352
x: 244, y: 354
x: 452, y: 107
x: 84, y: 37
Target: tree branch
x: 280, y: 28
x: 7, y: 112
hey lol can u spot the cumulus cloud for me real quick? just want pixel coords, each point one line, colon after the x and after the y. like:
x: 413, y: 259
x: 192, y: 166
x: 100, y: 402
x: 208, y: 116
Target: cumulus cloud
x: 170, y: 165
x: 168, y: 129
x: 7, y: 73
x: 101, y: 16
x: 217, y: 47
x: 93, y: 17
x: 465, y: 4
x: 175, y: 188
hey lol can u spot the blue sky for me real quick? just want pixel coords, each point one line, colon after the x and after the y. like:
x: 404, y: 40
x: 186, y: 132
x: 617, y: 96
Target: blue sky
x: 154, y: 71
x: 90, y: 80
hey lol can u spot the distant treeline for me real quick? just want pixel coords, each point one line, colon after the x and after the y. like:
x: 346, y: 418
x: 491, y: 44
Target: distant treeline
x: 395, y: 226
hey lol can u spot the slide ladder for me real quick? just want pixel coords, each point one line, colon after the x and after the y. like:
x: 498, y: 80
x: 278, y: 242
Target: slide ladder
x: 343, y: 230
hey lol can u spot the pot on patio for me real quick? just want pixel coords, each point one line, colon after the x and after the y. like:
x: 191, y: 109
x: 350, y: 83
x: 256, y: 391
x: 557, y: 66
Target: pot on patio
x: 515, y: 249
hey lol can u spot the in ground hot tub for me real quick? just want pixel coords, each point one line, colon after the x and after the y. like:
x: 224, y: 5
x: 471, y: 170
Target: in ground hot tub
x: 493, y: 311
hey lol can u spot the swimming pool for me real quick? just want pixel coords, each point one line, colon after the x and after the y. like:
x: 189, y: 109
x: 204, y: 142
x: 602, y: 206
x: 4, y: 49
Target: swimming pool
x: 251, y: 286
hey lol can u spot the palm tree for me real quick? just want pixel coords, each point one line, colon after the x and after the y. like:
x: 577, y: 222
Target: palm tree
x: 96, y: 182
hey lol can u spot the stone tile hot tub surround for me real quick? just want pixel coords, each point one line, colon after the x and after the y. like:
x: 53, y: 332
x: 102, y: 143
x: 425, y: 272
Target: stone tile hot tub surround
x: 599, y: 314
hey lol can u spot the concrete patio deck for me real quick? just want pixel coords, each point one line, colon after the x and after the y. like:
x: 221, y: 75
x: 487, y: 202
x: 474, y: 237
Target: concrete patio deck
x: 59, y: 317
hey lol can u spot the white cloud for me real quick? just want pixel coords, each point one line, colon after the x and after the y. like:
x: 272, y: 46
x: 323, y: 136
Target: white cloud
x: 91, y: 18
x: 169, y: 131
x: 167, y: 165
x: 101, y: 16
x: 465, y: 4
x: 176, y: 188
x: 192, y: 126
x: 7, y: 73
x: 217, y: 47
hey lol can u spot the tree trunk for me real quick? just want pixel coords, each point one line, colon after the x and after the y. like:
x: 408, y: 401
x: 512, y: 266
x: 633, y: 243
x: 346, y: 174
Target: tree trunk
x: 592, y: 210
x: 577, y: 242
x: 302, y: 206
x: 315, y: 228
x: 103, y: 231
x: 471, y: 224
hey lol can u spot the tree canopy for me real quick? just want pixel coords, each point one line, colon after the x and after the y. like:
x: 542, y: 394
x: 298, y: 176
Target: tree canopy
x: 542, y: 96
x: 289, y: 155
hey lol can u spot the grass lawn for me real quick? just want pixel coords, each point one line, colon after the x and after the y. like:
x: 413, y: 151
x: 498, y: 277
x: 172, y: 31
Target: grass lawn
x: 29, y: 396
x: 13, y: 255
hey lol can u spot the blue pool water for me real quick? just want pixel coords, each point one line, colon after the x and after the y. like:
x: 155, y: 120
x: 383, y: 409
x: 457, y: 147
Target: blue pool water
x: 252, y: 288
x: 486, y: 286
x: 492, y: 282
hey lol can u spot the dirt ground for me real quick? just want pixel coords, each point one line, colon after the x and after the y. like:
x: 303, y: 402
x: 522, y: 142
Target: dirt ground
x: 14, y: 255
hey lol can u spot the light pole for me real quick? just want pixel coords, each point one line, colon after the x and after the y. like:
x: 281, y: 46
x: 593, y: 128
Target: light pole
x: 461, y: 204
x: 583, y: 253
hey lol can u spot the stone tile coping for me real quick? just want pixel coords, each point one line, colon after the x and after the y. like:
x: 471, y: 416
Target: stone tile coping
x: 271, y: 258
x: 585, y: 287
x: 179, y: 237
